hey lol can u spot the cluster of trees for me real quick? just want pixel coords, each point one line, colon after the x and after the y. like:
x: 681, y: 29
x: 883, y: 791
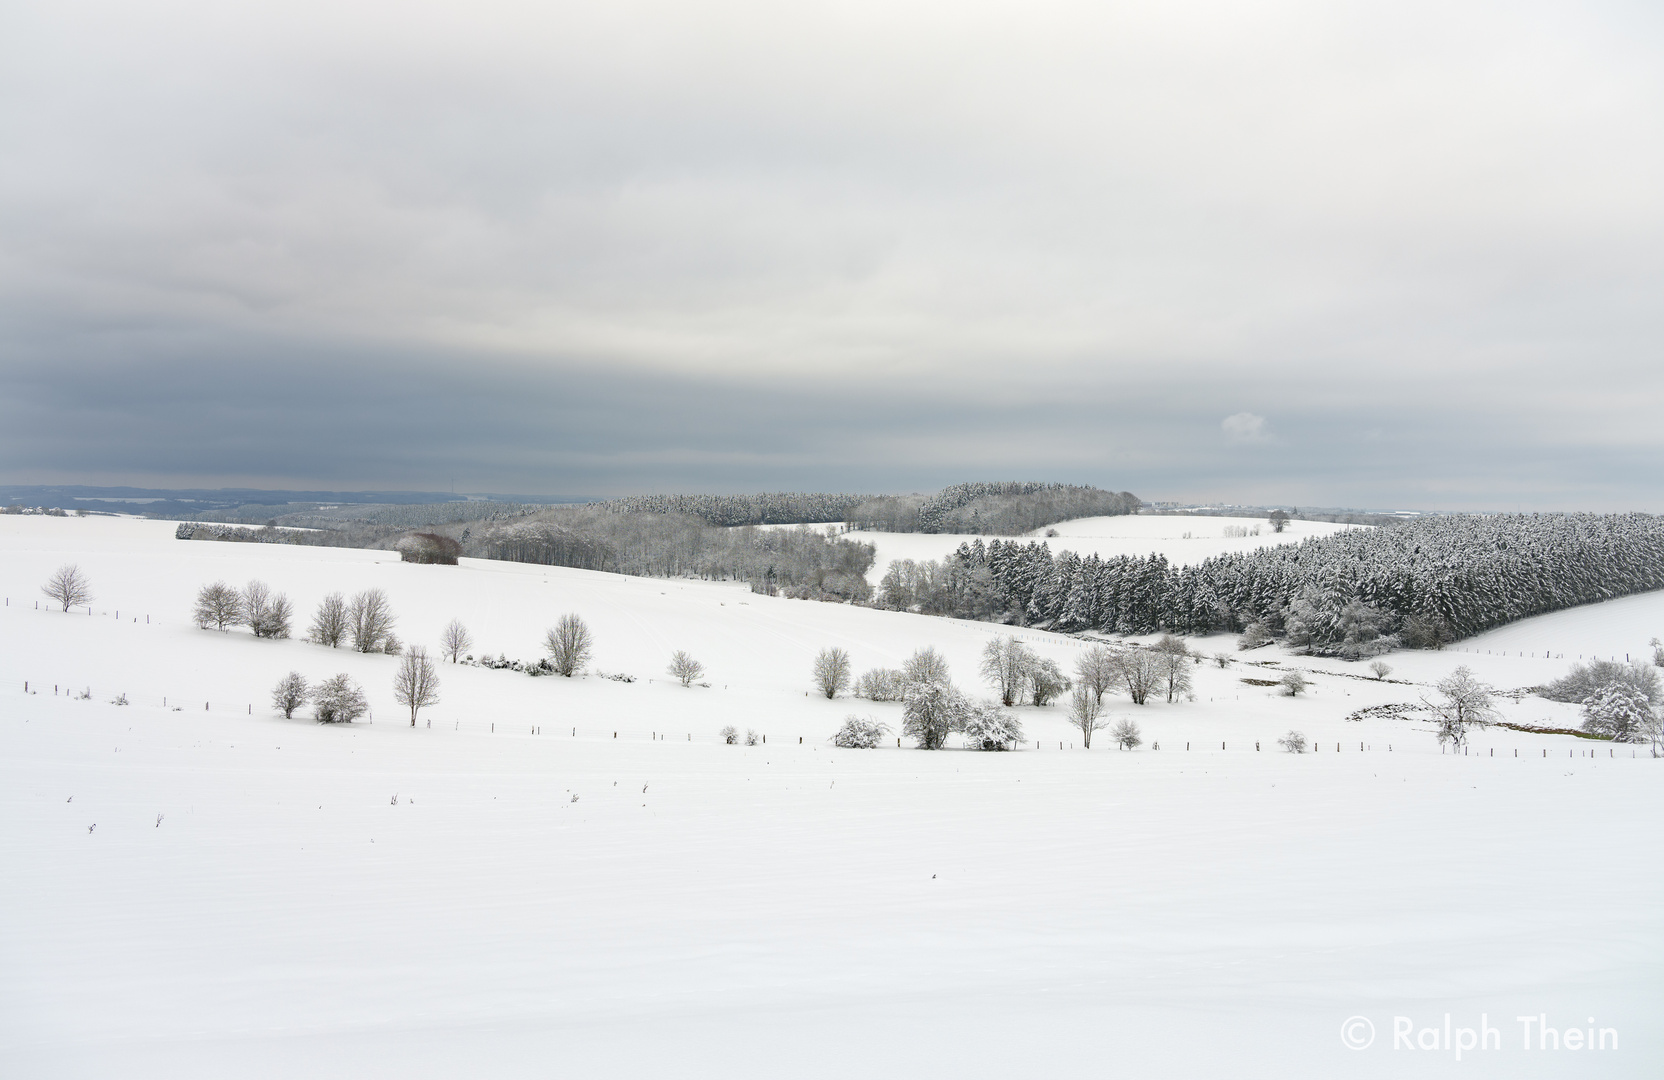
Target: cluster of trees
x: 339, y: 700
x: 255, y: 606
x: 769, y: 508
x: 804, y: 563
x: 1621, y: 701
x: 1007, y: 509
x: 1419, y: 583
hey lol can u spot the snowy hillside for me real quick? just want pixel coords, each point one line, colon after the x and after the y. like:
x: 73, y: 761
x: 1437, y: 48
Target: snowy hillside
x: 202, y: 888
x: 1184, y: 540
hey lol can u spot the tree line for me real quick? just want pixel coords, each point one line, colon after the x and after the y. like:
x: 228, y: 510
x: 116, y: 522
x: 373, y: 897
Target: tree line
x: 1420, y: 583
x: 1004, y: 509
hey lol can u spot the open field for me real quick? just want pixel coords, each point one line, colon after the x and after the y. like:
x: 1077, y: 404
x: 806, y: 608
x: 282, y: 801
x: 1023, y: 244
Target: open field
x: 1128, y: 534
x: 472, y: 898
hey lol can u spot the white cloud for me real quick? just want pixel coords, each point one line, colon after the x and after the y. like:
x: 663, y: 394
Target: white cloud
x: 1245, y: 427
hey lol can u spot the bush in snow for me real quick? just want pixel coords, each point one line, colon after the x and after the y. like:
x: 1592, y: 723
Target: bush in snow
x: 1222, y: 659
x: 1380, y: 669
x: 860, y: 733
x: 1583, y: 681
x: 338, y: 700
x: 988, y: 727
x: 290, y: 694
x: 391, y: 645
x: 329, y: 624
x: 1127, y: 735
x: 217, y: 605
x: 882, y: 684
x: 1294, y: 742
x: 684, y: 668
x: 933, y: 711
x: 751, y: 737
x: 1617, y: 712
x: 1657, y: 652
x: 569, y: 644
x: 1254, y: 637
x: 68, y: 586
x: 370, y: 621
x: 832, y: 671
x: 1294, y: 683
x: 729, y: 735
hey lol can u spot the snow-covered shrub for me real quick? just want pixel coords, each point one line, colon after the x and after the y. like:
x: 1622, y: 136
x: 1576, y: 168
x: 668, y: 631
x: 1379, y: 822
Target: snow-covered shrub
x: 1294, y: 683
x: 684, y: 668
x: 1253, y: 637
x: 881, y: 684
x: 989, y: 727
x: 1583, y: 681
x: 290, y: 694
x: 1657, y: 652
x: 860, y: 733
x: 1380, y: 669
x: 391, y: 645
x: 1617, y: 712
x: 1126, y: 735
x: 933, y: 711
x: 752, y: 738
x: 120, y: 699
x: 1222, y: 659
x: 338, y: 700
x: 729, y: 735
x: 1294, y: 742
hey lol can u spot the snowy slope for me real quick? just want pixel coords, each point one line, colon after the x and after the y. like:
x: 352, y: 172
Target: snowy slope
x: 780, y: 910
x: 1107, y: 537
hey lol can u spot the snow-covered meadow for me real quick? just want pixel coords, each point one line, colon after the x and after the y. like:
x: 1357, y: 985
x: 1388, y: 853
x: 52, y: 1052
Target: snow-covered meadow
x: 1184, y: 540
x: 204, y: 889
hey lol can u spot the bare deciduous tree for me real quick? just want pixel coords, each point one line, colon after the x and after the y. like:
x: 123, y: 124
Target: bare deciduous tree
x: 1138, y: 673
x: 1006, y: 663
x: 1294, y: 742
x: 291, y: 693
x: 369, y: 620
x: 1294, y: 684
x: 569, y: 645
x: 684, y: 668
x: 1127, y: 735
x: 267, y: 615
x: 1085, y: 706
x: 68, y: 586
x: 454, y: 639
x: 1381, y: 669
x: 933, y: 711
x: 416, y: 683
x: 217, y: 605
x: 1173, y: 662
x: 926, y: 665
x: 329, y: 625
x: 1045, y: 681
x: 1095, y: 669
x: 832, y: 671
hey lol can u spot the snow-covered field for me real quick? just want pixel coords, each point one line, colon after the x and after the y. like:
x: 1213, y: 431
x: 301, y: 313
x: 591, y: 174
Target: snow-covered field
x: 1127, y: 534
x: 191, y: 891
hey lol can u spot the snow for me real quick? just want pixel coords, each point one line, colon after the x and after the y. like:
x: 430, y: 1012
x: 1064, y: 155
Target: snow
x: 1107, y: 537
x: 374, y: 900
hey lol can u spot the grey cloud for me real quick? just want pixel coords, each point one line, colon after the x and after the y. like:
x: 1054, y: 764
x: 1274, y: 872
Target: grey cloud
x: 727, y: 246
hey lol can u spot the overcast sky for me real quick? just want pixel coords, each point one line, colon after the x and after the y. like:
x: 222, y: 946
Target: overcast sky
x: 1395, y: 254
